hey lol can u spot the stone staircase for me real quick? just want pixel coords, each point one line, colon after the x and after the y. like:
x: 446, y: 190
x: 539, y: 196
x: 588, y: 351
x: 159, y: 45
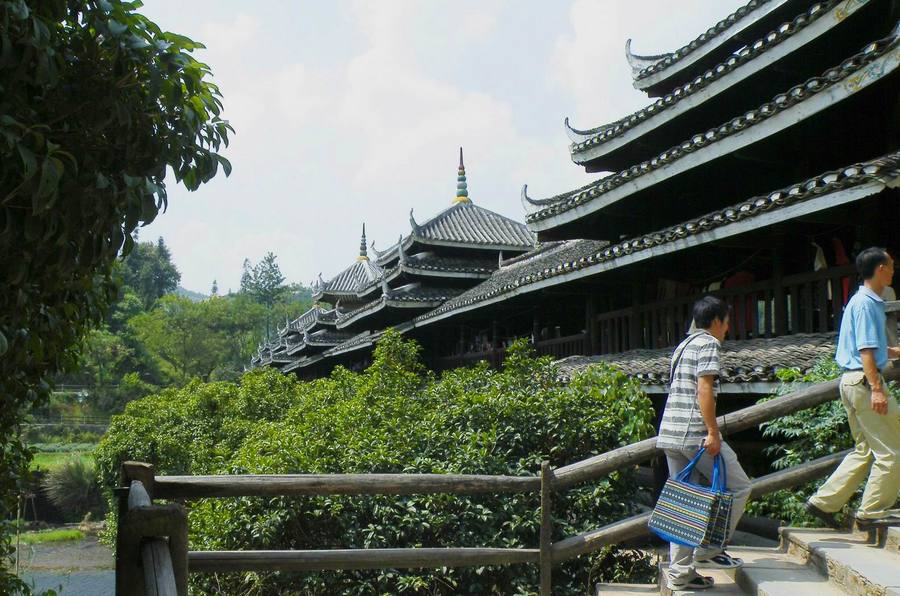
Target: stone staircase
x: 810, y: 562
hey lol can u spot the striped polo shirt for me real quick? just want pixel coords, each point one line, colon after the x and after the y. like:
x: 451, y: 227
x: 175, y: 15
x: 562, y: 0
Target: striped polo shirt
x: 682, y: 424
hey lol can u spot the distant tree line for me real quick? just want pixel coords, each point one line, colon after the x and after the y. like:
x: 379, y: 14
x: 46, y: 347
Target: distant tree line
x: 155, y: 337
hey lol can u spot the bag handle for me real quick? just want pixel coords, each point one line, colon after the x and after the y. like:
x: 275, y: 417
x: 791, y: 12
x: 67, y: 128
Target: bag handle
x: 719, y: 481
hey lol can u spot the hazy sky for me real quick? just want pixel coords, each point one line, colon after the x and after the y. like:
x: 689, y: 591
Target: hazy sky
x: 352, y: 112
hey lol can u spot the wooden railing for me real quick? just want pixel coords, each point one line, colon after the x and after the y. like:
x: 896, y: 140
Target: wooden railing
x: 143, y: 563
x: 803, y: 303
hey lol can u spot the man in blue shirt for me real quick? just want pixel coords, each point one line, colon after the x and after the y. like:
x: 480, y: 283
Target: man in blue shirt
x: 873, y: 414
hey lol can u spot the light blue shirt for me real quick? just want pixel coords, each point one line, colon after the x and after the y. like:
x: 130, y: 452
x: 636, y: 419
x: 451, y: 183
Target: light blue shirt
x: 864, y: 326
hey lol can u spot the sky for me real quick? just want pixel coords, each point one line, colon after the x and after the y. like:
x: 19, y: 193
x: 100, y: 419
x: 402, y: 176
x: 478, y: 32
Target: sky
x: 352, y: 112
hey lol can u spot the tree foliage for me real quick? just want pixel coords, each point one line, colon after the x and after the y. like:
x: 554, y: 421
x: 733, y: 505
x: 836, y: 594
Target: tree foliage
x: 149, y: 271
x: 393, y: 417
x: 96, y: 103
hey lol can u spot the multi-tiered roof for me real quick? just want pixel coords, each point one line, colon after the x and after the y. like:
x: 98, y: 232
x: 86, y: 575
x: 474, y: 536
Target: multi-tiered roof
x: 436, y: 261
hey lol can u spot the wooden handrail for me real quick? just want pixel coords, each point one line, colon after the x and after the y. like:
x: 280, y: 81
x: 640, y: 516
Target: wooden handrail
x: 810, y: 397
x: 370, y: 558
x: 636, y: 526
x: 274, y: 485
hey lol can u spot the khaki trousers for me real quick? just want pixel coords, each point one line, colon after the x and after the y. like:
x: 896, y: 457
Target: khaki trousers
x: 877, y: 454
x: 681, y: 558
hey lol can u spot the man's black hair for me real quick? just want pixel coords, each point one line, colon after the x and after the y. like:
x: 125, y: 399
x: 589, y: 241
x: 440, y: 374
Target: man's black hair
x: 708, y: 309
x: 868, y: 261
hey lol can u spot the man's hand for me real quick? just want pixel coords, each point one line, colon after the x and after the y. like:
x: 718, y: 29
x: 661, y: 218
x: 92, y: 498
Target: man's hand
x: 879, y: 401
x: 713, y: 443
x: 894, y: 353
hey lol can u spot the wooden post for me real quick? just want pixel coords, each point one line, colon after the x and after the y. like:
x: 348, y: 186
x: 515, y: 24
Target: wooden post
x: 546, y: 530
x: 590, y: 326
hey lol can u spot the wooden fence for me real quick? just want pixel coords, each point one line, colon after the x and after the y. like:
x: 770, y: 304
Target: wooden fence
x: 152, y: 556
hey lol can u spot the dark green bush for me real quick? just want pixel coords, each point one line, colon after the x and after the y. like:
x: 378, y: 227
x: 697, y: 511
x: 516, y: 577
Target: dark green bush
x: 394, y: 417
x: 73, y: 488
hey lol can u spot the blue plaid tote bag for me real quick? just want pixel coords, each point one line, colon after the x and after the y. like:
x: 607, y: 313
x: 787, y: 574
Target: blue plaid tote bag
x: 691, y: 514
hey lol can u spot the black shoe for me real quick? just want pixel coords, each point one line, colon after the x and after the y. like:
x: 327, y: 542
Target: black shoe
x: 877, y: 522
x: 823, y: 516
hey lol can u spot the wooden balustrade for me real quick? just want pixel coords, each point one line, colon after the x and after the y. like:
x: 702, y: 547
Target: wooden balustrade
x: 151, y: 550
x: 803, y: 303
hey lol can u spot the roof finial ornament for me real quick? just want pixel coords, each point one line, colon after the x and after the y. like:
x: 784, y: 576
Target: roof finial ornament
x: 363, y: 254
x: 638, y: 62
x: 500, y: 259
x: 400, y: 252
x: 385, y: 289
x: 412, y: 222
x: 462, y: 189
x: 377, y: 252
x: 321, y: 281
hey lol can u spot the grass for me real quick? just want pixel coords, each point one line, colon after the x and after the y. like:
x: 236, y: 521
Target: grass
x: 50, y: 536
x: 51, y: 460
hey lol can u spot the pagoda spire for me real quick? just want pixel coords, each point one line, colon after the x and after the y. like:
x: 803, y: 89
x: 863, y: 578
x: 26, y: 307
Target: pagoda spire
x: 363, y: 253
x: 462, y: 191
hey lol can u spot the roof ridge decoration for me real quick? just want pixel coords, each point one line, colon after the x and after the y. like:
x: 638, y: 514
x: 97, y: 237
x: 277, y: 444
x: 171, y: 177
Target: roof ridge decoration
x: 412, y: 222
x: 780, y: 102
x: 884, y: 169
x: 666, y: 60
x: 638, y: 62
x: 363, y: 255
x: 401, y: 253
x: 592, y: 137
x: 462, y: 189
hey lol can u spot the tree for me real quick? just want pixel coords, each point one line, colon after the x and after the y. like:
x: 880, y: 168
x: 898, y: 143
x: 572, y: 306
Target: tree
x: 96, y: 105
x: 264, y: 282
x: 214, y: 290
x: 150, y: 272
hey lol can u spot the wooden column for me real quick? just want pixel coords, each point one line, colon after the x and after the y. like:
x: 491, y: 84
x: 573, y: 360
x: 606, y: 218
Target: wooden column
x: 590, y: 326
x: 781, y: 315
x: 546, y: 561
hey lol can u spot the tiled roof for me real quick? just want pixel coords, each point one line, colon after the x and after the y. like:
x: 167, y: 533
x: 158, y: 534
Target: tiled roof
x: 544, y: 259
x: 351, y: 279
x: 307, y: 320
x: 327, y: 338
x: 797, y: 94
x: 467, y: 223
x: 584, y: 140
x: 426, y: 296
x: 648, y: 65
x: 575, y: 255
x: 449, y: 264
x: 746, y: 361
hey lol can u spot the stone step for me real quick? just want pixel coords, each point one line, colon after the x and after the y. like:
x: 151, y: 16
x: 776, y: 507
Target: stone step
x: 624, y: 589
x: 725, y: 584
x: 892, y: 541
x: 847, y: 559
x: 770, y: 572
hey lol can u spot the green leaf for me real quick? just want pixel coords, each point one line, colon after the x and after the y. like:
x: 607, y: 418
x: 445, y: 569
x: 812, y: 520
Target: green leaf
x: 51, y: 171
x: 226, y: 165
x: 116, y: 28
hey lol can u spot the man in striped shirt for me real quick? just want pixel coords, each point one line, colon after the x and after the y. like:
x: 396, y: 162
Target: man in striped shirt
x: 689, y: 422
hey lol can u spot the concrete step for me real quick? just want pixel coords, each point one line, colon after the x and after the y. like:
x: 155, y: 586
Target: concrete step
x: 849, y: 560
x: 770, y: 572
x: 624, y: 589
x: 892, y: 540
x: 725, y: 584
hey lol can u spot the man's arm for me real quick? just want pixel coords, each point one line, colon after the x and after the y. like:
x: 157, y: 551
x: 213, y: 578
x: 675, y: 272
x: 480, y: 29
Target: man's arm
x: 706, y: 395
x: 879, y: 399
x: 894, y: 353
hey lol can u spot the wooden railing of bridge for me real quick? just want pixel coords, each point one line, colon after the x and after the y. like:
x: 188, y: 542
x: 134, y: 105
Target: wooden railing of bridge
x: 151, y: 550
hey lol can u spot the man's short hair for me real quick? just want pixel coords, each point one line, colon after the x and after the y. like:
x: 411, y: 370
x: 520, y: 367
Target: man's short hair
x: 708, y: 309
x: 868, y: 261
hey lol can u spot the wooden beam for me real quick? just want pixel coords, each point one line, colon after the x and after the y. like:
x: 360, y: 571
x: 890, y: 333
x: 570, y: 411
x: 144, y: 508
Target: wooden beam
x: 731, y: 423
x: 546, y: 546
x: 270, y: 485
x: 376, y: 558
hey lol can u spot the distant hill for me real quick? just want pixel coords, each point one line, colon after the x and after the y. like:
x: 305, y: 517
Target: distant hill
x: 192, y: 296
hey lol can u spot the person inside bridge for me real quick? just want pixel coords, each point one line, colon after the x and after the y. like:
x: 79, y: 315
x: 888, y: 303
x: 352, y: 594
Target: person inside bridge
x: 873, y: 414
x: 689, y: 422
